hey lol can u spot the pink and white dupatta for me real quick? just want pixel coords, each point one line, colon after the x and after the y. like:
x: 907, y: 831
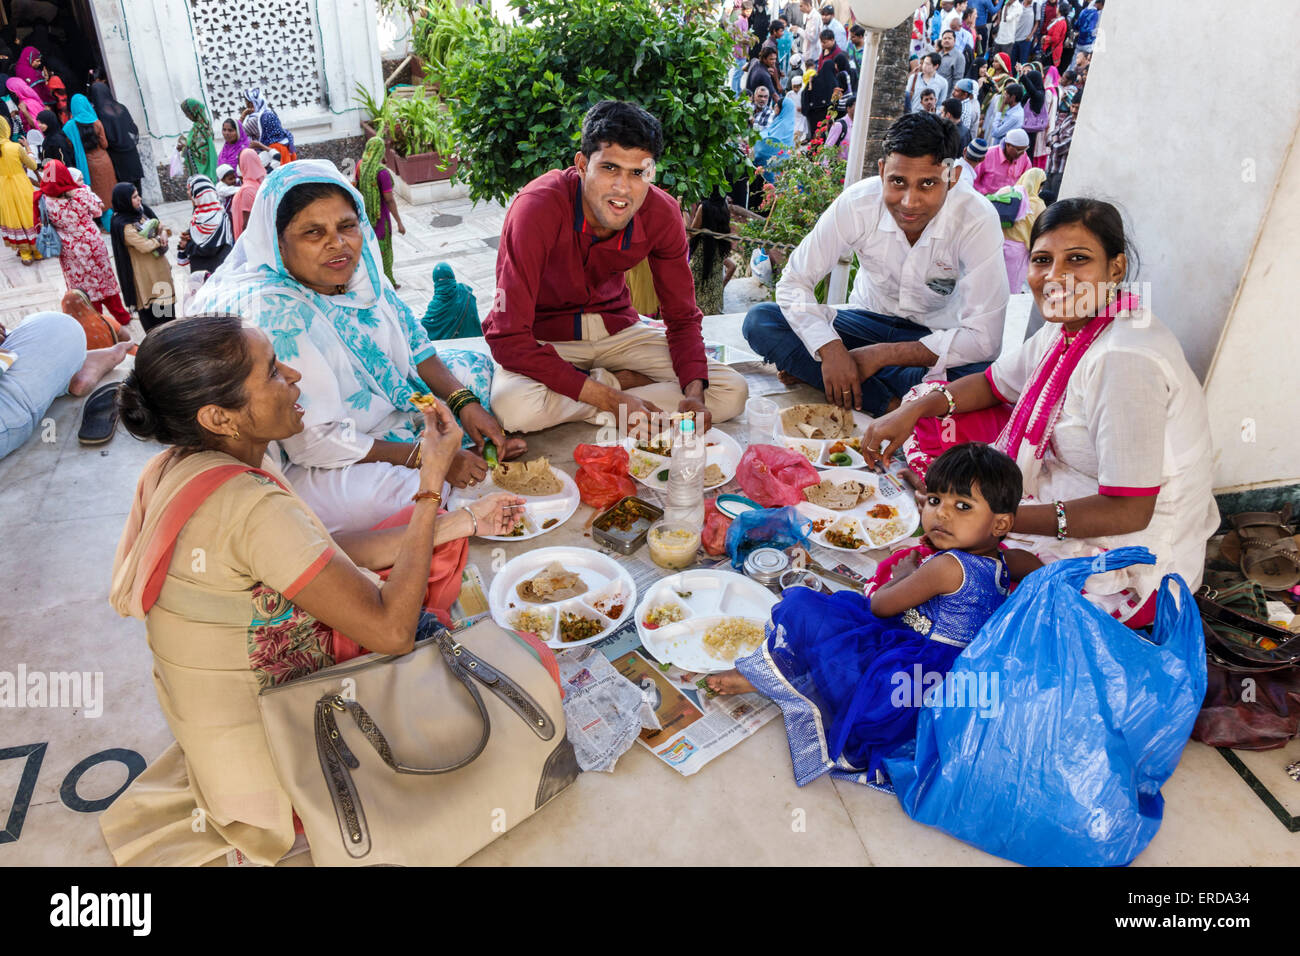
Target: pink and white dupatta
x: 1028, y: 434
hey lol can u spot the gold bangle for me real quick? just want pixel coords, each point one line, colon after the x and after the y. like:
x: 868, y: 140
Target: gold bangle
x: 434, y: 496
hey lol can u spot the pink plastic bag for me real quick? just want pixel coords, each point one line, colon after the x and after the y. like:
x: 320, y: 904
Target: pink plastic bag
x: 773, y: 476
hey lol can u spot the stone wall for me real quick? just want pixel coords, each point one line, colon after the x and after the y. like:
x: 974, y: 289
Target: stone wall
x: 335, y: 150
x: 887, y: 97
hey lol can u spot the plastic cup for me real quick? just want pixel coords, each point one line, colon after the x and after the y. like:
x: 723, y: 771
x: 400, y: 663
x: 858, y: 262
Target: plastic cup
x: 760, y: 420
x: 673, y: 544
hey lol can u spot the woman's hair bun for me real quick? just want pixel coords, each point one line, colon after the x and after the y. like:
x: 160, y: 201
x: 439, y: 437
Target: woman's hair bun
x: 134, y: 411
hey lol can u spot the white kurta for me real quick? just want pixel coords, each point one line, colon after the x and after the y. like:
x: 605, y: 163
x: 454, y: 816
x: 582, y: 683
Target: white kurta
x: 1134, y: 421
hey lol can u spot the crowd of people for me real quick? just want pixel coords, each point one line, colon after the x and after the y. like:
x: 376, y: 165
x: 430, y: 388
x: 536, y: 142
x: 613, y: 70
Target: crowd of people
x: 314, y: 484
x: 1010, y: 76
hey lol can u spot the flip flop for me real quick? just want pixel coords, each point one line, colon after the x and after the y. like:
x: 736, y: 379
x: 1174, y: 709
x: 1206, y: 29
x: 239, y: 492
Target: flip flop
x: 99, y: 415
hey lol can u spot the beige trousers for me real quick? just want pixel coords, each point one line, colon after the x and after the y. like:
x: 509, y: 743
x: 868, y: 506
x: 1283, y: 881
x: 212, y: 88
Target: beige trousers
x: 523, y: 404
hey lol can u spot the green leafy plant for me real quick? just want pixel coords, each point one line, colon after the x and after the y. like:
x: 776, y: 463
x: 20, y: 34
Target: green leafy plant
x: 806, y: 184
x: 517, y: 92
x: 374, y: 109
x: 417, y: 123
x: 442, y: 26
x: 421, y: 124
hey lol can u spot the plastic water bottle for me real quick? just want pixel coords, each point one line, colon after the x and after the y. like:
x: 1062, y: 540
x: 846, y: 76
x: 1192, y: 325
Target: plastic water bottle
x: 686, y: 477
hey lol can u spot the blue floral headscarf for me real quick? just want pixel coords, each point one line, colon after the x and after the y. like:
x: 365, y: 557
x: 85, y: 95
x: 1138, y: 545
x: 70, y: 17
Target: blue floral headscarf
x: 254, y: 283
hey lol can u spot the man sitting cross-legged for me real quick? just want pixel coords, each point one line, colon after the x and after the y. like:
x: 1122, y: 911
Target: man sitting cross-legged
x: 930, y: 296
x: 563, y: 327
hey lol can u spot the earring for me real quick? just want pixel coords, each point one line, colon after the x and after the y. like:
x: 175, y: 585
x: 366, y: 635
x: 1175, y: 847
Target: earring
x: 235, y: 436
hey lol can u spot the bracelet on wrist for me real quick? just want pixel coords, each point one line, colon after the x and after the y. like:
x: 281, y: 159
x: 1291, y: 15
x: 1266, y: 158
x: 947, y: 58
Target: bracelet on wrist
x: 472, y: 518
x: 952, y: 402
x: 434, y: 496
x: 1060, y: 520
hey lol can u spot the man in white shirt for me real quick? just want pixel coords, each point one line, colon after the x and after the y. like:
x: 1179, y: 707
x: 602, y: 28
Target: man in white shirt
x: 930, y: 296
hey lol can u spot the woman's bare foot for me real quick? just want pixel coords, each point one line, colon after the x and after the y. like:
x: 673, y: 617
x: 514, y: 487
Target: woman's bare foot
x: 729, y: 682
x: 629, y: 379
x: 98, y: 364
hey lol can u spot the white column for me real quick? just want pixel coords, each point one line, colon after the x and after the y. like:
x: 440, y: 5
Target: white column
x: 837, y: 291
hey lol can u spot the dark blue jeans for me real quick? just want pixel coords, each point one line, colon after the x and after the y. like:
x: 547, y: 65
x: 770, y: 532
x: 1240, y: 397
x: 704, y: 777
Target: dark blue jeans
x: 1022, y: 52
x: 768, y: 334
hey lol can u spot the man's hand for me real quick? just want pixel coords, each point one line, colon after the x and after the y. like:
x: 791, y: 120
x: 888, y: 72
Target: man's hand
x: 642, y: 417
x: 703, y: 417
x: 840, y: 375
x: 693, y: 401
x: 869, y: 361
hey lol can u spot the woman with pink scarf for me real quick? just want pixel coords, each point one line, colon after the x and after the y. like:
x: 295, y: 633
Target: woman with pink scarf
x: 1098, y: 407
x: 252, y: 173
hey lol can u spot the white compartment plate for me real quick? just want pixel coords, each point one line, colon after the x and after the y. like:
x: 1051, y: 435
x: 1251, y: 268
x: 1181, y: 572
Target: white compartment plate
x: 538, y: 510
x: 820, y: 445
x: 720, y: 449
x: 714, y: 596
x: 907, y: 519
x: 603, y: 576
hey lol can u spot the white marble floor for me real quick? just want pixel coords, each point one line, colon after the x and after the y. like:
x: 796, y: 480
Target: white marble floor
x: 62, y: 507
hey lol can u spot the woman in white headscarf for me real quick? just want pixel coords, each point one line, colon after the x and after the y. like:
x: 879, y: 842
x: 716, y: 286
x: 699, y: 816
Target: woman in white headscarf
x: 306, y: 269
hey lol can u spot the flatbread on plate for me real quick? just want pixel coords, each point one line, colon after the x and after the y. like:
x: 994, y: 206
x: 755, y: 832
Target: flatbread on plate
x: 817, y: 421
x: 552, y: 583
x: 526, y: 477
x: 837, y: 496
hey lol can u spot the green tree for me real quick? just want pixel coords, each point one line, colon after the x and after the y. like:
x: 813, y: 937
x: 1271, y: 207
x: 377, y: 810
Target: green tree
x: 517, y: 92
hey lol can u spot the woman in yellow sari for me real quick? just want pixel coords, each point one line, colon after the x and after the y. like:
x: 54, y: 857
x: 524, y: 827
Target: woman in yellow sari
x: 17, y: 216
x: 242, y: 588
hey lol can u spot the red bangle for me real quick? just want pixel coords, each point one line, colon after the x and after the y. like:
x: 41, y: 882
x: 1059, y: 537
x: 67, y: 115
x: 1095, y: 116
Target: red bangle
x: 426, y: 495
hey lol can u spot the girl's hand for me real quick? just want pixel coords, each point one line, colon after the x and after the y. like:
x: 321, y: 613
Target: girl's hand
x: 498, y: 514
x: 441, y: 443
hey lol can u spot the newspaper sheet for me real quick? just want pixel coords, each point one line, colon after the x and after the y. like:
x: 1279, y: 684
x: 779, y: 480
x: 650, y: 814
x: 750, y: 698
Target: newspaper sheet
x: 692, y: 728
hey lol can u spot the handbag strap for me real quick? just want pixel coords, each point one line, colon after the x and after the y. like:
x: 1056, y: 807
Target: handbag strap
x: 328, y: 706
x: 337, y: 760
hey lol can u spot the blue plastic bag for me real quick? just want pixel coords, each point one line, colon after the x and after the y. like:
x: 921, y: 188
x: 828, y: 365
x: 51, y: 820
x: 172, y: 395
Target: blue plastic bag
x: 1090, y: 720
x: 766, y: 528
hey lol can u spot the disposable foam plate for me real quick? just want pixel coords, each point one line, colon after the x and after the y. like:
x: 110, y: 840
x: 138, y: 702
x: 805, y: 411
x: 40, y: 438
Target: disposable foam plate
x: 817, y: 449
x: 538, y: 510
x: 608, y: 586
x: 720, y: 449
x: 875, y: 532
x: 709, y: 597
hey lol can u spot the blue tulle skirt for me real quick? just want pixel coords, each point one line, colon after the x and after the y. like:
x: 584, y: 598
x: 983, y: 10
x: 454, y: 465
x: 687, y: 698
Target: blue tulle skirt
x: 850, y: 685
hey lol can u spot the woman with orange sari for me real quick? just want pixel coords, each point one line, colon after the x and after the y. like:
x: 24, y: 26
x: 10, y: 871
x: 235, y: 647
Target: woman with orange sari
x: 241, y: 587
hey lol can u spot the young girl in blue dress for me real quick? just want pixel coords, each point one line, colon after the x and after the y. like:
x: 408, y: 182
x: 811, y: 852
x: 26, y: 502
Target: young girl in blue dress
x: 839, y: 665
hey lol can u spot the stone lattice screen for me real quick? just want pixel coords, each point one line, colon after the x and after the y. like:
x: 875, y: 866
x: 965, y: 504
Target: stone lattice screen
x: 271, y: 44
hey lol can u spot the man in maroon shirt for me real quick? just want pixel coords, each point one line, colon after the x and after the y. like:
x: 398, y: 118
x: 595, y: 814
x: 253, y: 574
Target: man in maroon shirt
x: 562, y: 325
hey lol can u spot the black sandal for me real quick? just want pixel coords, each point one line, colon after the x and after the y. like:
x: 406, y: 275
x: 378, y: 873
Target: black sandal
x: 99, y: 415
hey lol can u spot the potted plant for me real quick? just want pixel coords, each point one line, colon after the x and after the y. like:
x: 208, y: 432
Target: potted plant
x: 379, y: 113
x: 423, y: 146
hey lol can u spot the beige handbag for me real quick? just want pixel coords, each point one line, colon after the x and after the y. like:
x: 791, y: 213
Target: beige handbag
x: 421, y: 759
